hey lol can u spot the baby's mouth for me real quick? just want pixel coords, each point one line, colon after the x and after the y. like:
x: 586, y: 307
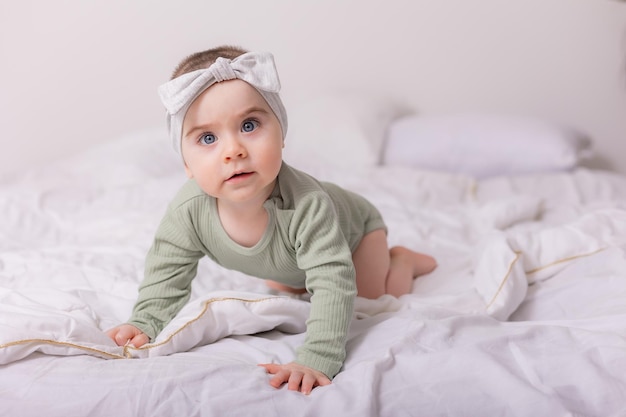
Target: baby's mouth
x: 239, y: 174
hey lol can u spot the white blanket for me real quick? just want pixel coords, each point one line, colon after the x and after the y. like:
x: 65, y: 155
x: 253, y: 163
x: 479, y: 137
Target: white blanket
x: 525, y: 315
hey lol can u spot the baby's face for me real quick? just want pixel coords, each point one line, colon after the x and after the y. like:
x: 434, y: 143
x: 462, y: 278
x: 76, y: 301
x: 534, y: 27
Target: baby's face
x: 232, y: 143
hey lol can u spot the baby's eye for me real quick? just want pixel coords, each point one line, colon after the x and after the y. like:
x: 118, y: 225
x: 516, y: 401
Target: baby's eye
x: 207, y: 138
x: 249, y: 125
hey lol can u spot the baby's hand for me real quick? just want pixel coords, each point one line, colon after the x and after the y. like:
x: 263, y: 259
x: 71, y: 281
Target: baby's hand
x: 127, y: 334
x: 298, y: 377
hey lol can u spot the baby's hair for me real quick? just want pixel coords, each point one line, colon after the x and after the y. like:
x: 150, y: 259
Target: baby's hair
x: 204, y: 59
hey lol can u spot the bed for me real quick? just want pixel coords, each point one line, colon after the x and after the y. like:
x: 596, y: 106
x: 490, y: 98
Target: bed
x: 525, y: 314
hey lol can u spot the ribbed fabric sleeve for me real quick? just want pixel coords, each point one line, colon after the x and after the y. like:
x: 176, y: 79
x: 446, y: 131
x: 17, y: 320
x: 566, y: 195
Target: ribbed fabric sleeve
x: 312, y: 230
x: 171, y: 265
x: 324, y: 254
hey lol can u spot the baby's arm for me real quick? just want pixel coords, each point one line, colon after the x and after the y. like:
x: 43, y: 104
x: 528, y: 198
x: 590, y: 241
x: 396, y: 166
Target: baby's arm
x: 170, y: 266
x: 324, y: 254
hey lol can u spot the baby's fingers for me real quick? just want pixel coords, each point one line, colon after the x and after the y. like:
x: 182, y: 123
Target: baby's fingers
x: 308, y: 383
x: 127, y: 334
x: 298, y: 377
x: 124, y: 335
x: 281, y: 375
x: 139, y: 340
x: 118, y: 335
x: 295, y: 381
x: 271, y: 368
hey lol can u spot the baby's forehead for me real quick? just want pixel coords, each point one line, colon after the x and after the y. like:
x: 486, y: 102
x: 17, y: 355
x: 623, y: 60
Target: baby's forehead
x: 233, y: 91
x: 232, y: 99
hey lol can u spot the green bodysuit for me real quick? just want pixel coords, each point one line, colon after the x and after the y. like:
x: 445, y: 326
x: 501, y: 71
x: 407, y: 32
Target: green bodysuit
x: 313, y: 229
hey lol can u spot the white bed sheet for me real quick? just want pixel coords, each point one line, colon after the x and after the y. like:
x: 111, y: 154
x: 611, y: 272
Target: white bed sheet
x: 525, y: 315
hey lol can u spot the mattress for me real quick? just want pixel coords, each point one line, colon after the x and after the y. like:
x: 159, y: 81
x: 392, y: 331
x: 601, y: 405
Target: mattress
x: 525, y: 314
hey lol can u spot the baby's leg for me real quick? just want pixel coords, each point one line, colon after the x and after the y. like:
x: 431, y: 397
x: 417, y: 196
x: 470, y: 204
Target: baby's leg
x: 284, y: 288
x: 371, y: 262
x: 406, y: 265
x: 380, y: 270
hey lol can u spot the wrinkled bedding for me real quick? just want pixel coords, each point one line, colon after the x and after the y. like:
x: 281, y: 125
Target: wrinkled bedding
x: 525, y: 315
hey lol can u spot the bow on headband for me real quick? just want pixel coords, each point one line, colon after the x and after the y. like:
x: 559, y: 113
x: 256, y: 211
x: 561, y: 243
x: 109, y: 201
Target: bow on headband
x: 255, y: 68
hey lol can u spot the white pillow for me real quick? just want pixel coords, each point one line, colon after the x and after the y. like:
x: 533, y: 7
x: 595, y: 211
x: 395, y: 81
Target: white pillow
x: 339, y: 129
x: 483, y: 145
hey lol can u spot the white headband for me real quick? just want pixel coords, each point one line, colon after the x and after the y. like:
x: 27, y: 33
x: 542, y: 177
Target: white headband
x: 255, y: 68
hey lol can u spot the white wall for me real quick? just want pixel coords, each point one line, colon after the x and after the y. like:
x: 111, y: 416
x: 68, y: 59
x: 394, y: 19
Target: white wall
x: 74, y: 73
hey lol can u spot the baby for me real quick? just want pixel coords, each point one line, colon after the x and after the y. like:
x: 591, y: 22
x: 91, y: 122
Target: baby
x: 247, y: 210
